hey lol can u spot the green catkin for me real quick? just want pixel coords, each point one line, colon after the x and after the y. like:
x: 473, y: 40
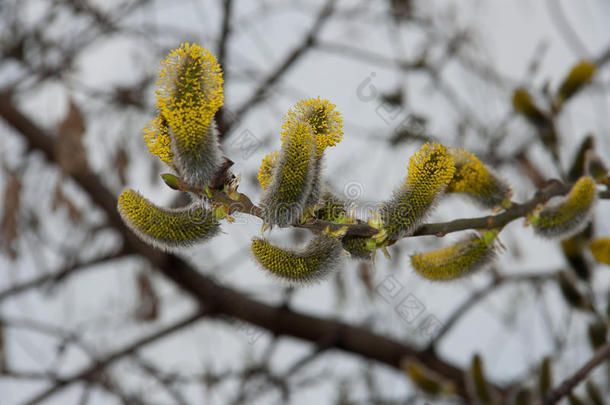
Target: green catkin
x: 568, y: 215
x: 430, y: 171
x: 165, y: 228
x: 321, y: 256
x: 475, y: 180
x: 463, y: 258
x: 189, y: 95
x: 284, y: 199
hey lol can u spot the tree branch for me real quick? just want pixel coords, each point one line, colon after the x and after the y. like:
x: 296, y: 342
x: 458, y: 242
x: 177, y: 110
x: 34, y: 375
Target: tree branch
x: 601, y: 354
x: 222, y: 300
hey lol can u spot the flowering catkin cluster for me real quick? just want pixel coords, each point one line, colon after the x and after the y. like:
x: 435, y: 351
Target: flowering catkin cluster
x: 182, y: 135
x: 292, y: 177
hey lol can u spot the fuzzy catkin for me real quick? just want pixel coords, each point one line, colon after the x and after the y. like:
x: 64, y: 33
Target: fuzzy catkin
x: 283, y: 202
x: 430, y: 171
x: 165, y: 228
x: 462, y: 258
x: 568, y: 215
x: 316, y: 261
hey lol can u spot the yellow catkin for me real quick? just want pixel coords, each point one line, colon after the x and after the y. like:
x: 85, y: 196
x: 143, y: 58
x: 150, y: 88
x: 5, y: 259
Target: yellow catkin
x: 283, y: 202
x: 319, y: 258
x: 600, y: 248
x: 579, y: 75
x: 477, y: 181
x: 164, y: 228
x: 158, y: 140
x: 320, y: 114
x: 265, y: 173
x: 566, y: 216
x: 462, y: 258
x: 430, y: 171
x: 189, y: 94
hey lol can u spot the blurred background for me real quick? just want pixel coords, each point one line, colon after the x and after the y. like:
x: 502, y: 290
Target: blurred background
x: 90, y: 316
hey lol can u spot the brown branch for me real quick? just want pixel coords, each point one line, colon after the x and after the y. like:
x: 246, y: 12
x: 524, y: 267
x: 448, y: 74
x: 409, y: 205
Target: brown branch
x: 222, y: 300
x: 92, y: 371
x: 566, y: 387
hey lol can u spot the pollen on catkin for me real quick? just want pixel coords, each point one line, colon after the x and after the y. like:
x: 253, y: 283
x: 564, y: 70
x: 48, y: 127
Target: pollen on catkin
x: 477, y: 181
x: 320, y: 114
x: 284, y: 199
x: 165, y: 228
x: 265, y: 172
x: 189, y: 94
x: 157, y: 138
x: 465, y: 257
x: 317, y: 260
x: 567, y: 215
x: 430, y: 171
x: 600, y: 248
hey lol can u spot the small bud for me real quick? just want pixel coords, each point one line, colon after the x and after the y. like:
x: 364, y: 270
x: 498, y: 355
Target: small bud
x: 568, y: 215
x: 463, y: 258
x: 594, y: 393
x: 478, y: 182
x: 165, y: 228
x: 426, y: 380
x: 171, y: 180
x: 597, y: 332
x: 430, y: 171
x: 571, y: 293
x: 283, y: 202
x: 596, y: 167
x: 359, y: 247
x: 600, y: 248
x: 315, y: 262
x: 480, y: 385
x: 579, y: 75
x: 578, y: 167
x: 545, y: 378
x: 523, y: 103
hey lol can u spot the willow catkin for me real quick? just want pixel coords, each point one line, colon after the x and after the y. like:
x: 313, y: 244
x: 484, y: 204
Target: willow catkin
x: 165, y: 228
x: 465, y: 257
x: 316, y: 261
x: 481, y: 184
x: 189, y: 94
x: 430, y: 171
x: 566, y: 216
x: 283, y: 201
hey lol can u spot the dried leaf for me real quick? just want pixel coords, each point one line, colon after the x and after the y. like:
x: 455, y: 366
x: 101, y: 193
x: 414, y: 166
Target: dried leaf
x: 121, y: 162
x: 147, y: 309
x: 10, y: 214
x: 60, y: 200
x: 69, y: 148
